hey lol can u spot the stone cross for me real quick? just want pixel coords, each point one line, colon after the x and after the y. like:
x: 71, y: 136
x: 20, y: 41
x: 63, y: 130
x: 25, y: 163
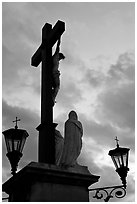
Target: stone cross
x: 44, y: 54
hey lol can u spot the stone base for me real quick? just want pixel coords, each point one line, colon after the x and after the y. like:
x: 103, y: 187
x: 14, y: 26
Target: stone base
x: 39, y: 182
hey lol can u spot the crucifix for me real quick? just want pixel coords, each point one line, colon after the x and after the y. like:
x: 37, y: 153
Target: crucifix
x: 47, y: 127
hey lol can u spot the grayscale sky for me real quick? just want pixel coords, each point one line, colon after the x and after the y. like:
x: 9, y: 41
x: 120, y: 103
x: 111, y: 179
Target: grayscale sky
x: 97, y: 79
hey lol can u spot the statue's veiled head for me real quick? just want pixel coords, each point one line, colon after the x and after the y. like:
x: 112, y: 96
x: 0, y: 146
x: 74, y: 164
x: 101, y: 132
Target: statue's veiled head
x: 73, y: 115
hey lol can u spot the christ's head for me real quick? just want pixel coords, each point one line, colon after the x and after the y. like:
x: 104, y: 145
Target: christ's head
x: 61, y: 56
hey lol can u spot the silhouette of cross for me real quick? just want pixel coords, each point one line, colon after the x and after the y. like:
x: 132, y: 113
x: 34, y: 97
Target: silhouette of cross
x: 15, y: 121
x: 44, y: 55
x: 117, y: 141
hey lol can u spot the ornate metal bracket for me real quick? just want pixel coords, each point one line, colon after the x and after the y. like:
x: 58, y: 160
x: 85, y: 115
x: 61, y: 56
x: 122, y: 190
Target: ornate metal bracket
x: 117, y: 191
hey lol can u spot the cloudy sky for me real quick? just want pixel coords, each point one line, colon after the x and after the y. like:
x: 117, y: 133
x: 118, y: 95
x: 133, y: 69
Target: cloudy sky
x: 97, y: 79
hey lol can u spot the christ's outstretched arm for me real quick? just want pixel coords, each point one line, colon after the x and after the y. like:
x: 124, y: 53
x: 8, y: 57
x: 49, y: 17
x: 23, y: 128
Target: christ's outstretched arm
x: 58, y: 47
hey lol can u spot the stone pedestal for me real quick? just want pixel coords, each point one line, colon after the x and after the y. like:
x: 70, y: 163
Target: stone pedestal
x: 39, y: 182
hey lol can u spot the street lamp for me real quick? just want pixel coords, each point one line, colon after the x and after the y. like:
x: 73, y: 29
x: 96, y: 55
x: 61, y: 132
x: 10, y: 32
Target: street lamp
x: 15, y: 140
x: 119, y: 157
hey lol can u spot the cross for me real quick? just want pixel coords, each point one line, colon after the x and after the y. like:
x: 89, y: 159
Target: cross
x: 44, y: 54
x: 117, y: 141
x: 15, y: 121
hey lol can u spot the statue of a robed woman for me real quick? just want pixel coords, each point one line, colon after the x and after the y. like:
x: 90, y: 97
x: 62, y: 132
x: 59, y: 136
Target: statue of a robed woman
x: 72, y: 140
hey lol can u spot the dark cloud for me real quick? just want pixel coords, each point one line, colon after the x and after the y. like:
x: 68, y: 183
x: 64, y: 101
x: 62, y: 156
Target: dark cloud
x: 94, y: 78
x: 102, y: 133
x: 125, y: 67
x: 119, y: 106
x: 95, y: 73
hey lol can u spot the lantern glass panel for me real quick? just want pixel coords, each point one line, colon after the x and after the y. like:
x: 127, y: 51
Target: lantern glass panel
x: 10, y: 145
x: 7, y: 144
x: 22, y: 143
x: 125, y: 159
x: 16, y: 144
x: 114, y: 161
x: 118, y: 161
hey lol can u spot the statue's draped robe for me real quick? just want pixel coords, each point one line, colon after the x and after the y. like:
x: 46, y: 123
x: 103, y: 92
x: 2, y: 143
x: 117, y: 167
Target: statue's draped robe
x: 59, y: 141
x: 72, y: 142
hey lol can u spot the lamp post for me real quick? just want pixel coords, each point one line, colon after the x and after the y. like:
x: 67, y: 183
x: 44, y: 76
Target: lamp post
x: 119, y: 157
x: 15, y: 139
